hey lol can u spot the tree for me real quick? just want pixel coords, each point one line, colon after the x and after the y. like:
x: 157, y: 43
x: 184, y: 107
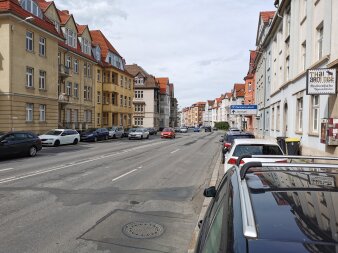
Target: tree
x: 222, y: 125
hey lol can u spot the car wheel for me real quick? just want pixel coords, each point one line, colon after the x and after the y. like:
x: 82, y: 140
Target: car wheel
x: 56, y: 143
x: 32, y: 151
x: 148, y: 136
x: 114, y: 136
x: 129, y: 138
x: 95, y: 139
x: 76, y: 141
x: 142, y: 137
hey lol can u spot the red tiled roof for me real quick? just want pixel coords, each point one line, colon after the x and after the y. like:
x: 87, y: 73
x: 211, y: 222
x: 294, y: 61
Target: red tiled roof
x: 81, y: 28
x: 240, y: 89
x: 13, y: 6
x: 267, y: 15
x: 77, y: 50
x: 64, y: 16
x: 163, y: 81
x: 99, y: 38
x: 210, y: 102
x: 228, y: 94
x: 43, y: 4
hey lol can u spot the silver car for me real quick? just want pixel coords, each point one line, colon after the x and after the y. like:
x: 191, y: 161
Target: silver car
x: 138, y: 133
x: 116, y: 132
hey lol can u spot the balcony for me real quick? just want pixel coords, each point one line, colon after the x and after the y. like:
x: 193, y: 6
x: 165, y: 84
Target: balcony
x: 63, y: 98
x: 110, y: 108
x: 109, y: 87
x: 64, y: 71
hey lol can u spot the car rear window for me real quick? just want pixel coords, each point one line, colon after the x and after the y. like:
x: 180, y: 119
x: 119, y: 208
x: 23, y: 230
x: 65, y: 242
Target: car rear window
x: 166, y: 130
x: 257, y: 150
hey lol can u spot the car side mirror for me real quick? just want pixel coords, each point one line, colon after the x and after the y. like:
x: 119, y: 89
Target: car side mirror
x: 210, y: 192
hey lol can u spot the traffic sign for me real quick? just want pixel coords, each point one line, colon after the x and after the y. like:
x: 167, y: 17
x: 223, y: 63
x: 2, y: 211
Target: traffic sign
x: 243, y: 109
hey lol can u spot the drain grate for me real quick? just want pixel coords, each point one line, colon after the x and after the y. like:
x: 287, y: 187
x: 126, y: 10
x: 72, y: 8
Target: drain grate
x: 143, y: 230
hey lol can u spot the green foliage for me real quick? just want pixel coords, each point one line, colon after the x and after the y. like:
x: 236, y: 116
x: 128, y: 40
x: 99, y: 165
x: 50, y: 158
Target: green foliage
x: 222, y: 125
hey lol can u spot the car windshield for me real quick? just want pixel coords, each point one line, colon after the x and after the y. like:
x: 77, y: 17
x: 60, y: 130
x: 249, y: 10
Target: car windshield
x: 230, y: 138
x: 166, y: 130
x: 54, y: 132
x: 132, y: 130
x: 113, y: 129
x: 257, y: 149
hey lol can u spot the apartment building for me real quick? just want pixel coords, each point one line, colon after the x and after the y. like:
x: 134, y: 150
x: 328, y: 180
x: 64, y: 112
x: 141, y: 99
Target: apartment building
x: 115, y: 86
x: 302, y: 35
x: 173, y: 106
x: 146, y: 99
x: 28, y: 67
x: 207, y: 118
x: 164, y: 101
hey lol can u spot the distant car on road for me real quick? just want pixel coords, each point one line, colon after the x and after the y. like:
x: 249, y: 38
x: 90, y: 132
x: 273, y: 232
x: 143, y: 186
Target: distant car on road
x: 196, y: 129
x: 183, y: 130
x: 177, y: 129
x: 138, y: 133
x: 152, y: 131
x: 116, y: 132
x: 20, y: 142
x: 168, y: 133
x: 207, y: 129
x: 57, y: 137
x: 234, y: 129
x: 95, y: 134
x: 215, y: 129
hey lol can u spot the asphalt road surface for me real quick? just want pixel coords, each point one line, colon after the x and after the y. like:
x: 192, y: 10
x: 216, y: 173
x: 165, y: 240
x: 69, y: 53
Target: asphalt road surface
x: 120, y: 196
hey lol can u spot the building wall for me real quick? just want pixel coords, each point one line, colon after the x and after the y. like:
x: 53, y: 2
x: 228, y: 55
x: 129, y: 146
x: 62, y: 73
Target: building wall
x: 14, y: 94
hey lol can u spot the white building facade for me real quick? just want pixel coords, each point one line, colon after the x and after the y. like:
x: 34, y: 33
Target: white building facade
x: 302, y: 35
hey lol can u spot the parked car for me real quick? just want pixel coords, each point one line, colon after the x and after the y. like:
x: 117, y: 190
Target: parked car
x: 116, y: 132
x: 126, y: 132
x: 207, y: 129
x: 234, y: 129
x: 168, y: 133
x: 57, y: 137
x: 215, y: 129
x: 2, y: 134
x: 152, y: 131
x: 19, y: 142
x: 95, y: 134
x: 139, y: 133
x: 183, y: 130
x: 272, y: 207
x: 242, y: 147
x: 196, y: 129
x: 177, y: 129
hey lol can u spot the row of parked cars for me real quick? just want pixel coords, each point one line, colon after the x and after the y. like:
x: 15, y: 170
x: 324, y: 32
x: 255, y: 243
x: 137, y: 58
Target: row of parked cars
x: 270, y: 202
x: 28, y: 143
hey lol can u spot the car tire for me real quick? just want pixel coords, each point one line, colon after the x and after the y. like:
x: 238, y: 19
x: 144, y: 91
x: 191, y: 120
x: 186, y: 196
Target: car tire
x: 129, y: 138
x: 56, y: 143
x: 148, y: 136
x: 32, y: 151
x: 114, y: 136
x: 76, y: 141
x: 142, y: 137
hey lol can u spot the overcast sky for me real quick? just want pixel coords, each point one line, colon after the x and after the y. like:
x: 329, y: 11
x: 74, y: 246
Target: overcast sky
x: 201, y: 45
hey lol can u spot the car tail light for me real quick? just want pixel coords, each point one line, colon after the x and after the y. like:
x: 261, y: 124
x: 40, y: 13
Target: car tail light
x: 234, y: 160
x: 227, y: 144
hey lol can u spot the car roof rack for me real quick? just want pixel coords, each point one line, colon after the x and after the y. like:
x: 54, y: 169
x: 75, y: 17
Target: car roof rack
x: 297, y: 157
x: 247, y: 166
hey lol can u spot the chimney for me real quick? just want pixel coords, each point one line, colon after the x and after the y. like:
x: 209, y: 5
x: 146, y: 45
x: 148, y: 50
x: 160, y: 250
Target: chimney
x: 66, y: 11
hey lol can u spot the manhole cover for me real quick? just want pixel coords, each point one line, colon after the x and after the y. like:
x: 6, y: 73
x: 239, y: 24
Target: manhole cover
x: 143, y: 230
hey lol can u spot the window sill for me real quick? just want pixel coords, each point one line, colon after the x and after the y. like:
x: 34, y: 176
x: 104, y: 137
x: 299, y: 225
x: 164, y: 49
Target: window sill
x: 43, y: 90
x: 30, y: 51
x: 30, y: 88
x: 30, y: 122
x: 314, y: 134
x: 43, y: 56
x: 299, y: 132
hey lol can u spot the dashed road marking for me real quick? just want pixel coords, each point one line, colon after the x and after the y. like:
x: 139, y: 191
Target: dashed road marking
x: 173, y: 152
x: 6, y: 169
x: 125, y: 174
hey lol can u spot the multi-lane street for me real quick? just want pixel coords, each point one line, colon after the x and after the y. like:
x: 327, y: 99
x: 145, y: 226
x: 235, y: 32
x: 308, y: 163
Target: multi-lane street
x: 113, y: 196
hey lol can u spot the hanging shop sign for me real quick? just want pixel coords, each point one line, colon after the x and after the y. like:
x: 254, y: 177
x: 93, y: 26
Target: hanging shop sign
x: 321, y: 82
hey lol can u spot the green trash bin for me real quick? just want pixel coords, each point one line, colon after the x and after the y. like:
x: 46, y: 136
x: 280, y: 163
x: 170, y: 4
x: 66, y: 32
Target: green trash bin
x: 292, y: 146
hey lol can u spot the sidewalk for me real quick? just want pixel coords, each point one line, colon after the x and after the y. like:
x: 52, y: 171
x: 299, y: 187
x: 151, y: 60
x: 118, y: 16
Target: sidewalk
x: 217, y: 171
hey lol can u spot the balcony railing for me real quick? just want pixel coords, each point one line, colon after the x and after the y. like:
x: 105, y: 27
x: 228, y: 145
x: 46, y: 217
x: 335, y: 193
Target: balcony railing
x: 64, y: 71
x: 63, y: 98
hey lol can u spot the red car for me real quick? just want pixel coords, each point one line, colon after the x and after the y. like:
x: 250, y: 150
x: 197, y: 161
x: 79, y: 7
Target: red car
x: 168, y: 133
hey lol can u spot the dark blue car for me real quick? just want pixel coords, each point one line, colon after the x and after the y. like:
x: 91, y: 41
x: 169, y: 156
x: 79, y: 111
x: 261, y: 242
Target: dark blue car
x: 95, y: 135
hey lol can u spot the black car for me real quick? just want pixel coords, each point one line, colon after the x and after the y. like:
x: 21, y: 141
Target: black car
x: 207, y: 129
x: 95, y: 134
x: 273, y: 207
x: 20, y: 142
x: 152, y: 131
x: 229, y: 138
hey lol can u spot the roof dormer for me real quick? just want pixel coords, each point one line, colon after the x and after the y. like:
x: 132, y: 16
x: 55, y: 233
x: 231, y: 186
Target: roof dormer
x: 32, y: 7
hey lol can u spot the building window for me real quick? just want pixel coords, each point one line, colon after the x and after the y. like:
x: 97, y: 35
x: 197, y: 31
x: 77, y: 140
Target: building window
x: 42, y: 46
x: 138, y: 108
x: 287, y: 68
x: 76, y: 66
x: 129, y: 84
x: 76, y: 90
x: 86, y: 46
x: 129, y: 120
x: 29, y: 112
x: 69, y: 89
x: 98, y: 75
x: 249, y: 87
x: 29, y: 41
x: 304, y: 55
x: 99, y: 119
x: 85, y: 73
x: 98, y: 97
x: 68, y: 61
x: 88, y: 116
x: 288, y: 23
x: 139, y: 94
x: 121, y: 81
x: 125, y: 101
x: 315, y: 113
x: 29, y: 77
x: 121, y: 100
x: 85, y: 93
x: 121, y: 120
x: 71, y: 38
x: 42, y: 80
x: 113, y: 99
x: 300, y: 114
x: 278, y: 118
x: 42, y: 111
x: 129, y: 101
x: 273, y: 118
x: 320, y: 42
x: 76, y: 115
x: 138, y: 121
x: 125, y: 82
x: 89, y: 70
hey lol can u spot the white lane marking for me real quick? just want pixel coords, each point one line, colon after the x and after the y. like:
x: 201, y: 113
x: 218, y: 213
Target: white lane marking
x: 39, y: 172
x: 125, y: 174
x: 140, y: 167
x: 6, y: 169
x: 174, y: 151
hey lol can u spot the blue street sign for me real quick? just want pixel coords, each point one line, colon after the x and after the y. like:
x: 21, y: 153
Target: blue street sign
x: 243, y: 109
